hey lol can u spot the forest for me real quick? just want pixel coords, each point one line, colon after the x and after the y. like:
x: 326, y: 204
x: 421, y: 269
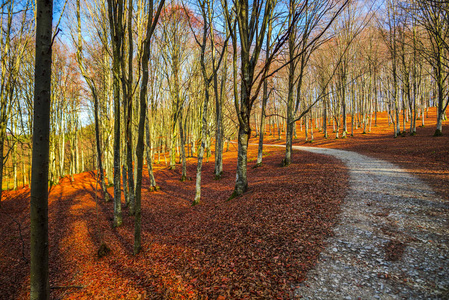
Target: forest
x: 140, y: 134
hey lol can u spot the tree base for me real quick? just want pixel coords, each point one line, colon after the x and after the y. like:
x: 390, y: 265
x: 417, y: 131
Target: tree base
x: 183, y: 178
x: 107, y: 197
x: 239, y: 189
x: 257, y: 165
x: 218, y: 176
x: 137, y: 250
x: 132, y: 210
x: 103, y: 250
x: 438, y: 133
x: 118, y: 222
x: 154, y: 188
x: 233, y: 195
x: 286, y: 163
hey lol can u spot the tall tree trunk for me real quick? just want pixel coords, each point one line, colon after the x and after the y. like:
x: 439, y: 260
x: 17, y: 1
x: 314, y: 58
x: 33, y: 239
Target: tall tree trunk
x: 241, y: 183
x: 39, y: 283
x: 149, y: 156
x: 125, y: 181
x: 129, y: 111
x: 291, y: 77
x: 117, y: 191
x: 183, y: 149
x: 115, y: 13
x: 152, y: 21
x: 343, y: 101
x: 440, y: 87
x: 14, y: 156
x: 99, y: 152
x: 325, y: 115
x: 2, y: 159
x: 218, y: 170
x: 61, y: 147
x: 353, y: 108
x: 202, y: 147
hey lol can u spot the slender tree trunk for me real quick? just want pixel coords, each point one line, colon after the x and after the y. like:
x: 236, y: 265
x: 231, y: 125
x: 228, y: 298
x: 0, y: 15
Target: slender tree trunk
x: 99, y: 152
x: 183, y: 149
x: 2, y: 143
x: 291, y: 77
x: 14, y: 162
x: 440, y: 87
x: 241, y: 184
x: 325, y: 114
x: 152, y: 21
x: 262, y: 121
x: 61, y: 147
x: 218, y: 170
x: 39, y: 283
x: 343, y: 104
x: 115, y: 13
x: 125, y: 182
x: 201, y: 150
x: 149, y: 156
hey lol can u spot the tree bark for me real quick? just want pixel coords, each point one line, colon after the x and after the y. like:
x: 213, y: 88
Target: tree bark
x: 115, y: 12
x: 39, y: 283
x: 152, y: 21
x: 183, y: 148
x: 149, y: 156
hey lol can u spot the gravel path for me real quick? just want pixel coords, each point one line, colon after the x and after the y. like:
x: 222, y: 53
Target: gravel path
x: 392, y: 239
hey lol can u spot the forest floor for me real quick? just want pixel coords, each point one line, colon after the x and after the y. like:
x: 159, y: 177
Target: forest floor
x: 242, y: 249
x: 423, y: 155
x: 258, y: 245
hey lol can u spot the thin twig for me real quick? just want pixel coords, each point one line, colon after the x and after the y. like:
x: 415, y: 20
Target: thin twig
x: 67, y: 287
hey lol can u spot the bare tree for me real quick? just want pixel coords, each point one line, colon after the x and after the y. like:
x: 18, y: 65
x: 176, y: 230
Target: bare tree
x: 93, y: 89
x: 252, y: 22
x: 434, y: 17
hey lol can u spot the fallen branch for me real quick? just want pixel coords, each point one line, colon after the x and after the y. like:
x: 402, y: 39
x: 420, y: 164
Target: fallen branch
x: 67, y: 287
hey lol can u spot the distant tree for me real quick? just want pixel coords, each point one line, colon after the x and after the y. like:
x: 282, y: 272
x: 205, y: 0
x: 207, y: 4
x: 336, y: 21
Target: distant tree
x: 434, y: 17
x: 13, y: 44
x: 94, y: 92
x: 390, y: 37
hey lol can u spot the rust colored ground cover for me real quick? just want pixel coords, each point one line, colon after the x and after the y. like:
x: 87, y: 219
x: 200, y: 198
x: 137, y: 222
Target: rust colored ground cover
x: 423, y: 155
x: 254, y: 246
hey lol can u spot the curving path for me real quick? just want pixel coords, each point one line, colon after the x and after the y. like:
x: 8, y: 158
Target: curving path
x: 392, y: 239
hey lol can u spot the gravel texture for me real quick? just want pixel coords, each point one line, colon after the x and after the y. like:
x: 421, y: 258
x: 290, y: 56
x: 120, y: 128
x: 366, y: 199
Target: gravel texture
x: 391, y: 241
